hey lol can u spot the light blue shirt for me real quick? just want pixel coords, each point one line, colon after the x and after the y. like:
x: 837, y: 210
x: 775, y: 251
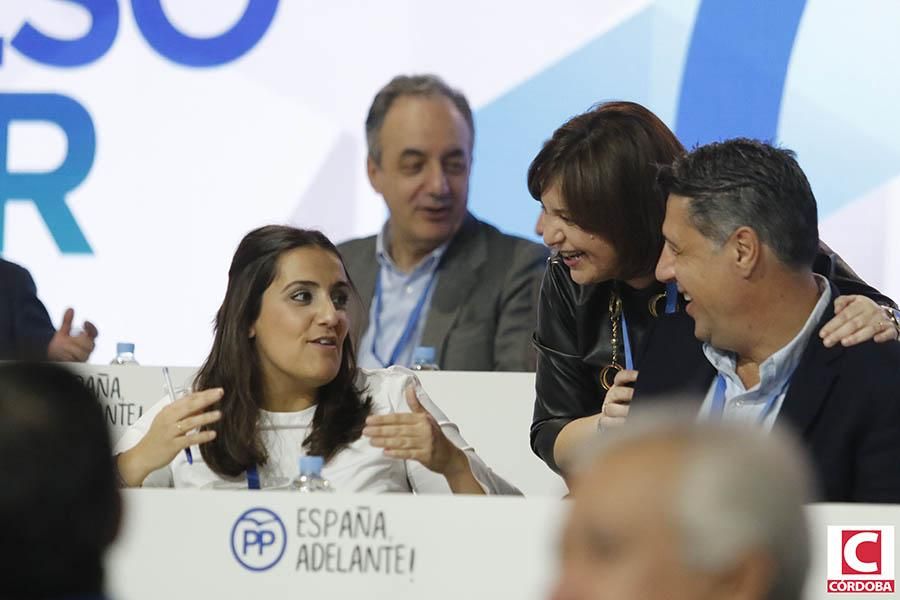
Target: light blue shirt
x: 746, y: 405
x: 400, y: 292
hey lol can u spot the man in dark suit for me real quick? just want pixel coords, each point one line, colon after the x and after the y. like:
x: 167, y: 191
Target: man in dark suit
x: 25, y: 328
x: 741, y: 235
x: 435, y: 276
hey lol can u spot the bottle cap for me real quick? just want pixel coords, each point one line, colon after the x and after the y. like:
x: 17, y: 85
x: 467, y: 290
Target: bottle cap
x: 311, y: 465
x: 423, y: 355
x: 122, y: 347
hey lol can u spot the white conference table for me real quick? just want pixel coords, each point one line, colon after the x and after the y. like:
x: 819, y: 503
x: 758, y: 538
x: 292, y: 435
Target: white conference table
x: 279, y: 544
x: 189, y: 543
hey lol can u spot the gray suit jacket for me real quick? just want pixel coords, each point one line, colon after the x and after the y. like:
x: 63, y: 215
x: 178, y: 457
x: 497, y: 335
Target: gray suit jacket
x: 484, y: 306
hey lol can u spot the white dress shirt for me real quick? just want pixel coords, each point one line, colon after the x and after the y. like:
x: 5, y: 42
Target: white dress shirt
x: 400, y: 293
x: 746, y: 405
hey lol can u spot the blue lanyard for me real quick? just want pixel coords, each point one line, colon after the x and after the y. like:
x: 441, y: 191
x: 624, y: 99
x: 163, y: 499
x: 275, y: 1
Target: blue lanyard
x: 671, y: 305
x: 717, y: 408
x: 410, y: 323
x: 252, y: 478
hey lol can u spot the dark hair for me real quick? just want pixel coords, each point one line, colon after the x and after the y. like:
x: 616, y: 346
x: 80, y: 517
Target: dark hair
x: 743, y: 182
x: 59, y: 501
x: 233, y: 363
x: 410, y: 85
x: 605, y: 162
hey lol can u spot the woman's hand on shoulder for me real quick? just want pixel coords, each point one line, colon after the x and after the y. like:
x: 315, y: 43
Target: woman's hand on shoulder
x: 172, y: 430
x: 857, y: 319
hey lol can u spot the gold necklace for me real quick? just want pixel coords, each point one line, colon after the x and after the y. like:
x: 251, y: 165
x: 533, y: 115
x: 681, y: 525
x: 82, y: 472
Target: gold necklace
x: 609, y: 372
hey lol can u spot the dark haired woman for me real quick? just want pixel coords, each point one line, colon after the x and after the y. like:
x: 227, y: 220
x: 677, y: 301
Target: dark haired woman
x: 281, y: 382
x: 602, y: 214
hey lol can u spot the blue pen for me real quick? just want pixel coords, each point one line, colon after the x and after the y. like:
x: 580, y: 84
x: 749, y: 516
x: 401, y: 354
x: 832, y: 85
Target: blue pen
x: 170, y: 389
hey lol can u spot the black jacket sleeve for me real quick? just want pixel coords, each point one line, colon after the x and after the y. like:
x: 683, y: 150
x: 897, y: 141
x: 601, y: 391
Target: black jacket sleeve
x: 565, y: 385
x: 25, y: 326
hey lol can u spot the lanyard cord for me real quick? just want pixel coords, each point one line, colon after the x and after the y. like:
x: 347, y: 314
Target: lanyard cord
x: 411, y: 322
x: 717, y: 408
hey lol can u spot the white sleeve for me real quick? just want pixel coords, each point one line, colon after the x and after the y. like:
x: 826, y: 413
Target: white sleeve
x: 161, y: 477
x: 424, y: 481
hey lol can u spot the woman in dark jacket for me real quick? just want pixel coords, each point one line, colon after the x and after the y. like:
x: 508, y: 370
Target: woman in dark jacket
x: 602, y: 214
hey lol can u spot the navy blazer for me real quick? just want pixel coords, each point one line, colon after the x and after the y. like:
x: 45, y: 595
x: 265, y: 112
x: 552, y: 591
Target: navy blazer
x: 843, y: 402
x: 25, y: 326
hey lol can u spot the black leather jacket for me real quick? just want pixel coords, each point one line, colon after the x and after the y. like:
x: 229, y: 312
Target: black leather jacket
x: 573, y: 341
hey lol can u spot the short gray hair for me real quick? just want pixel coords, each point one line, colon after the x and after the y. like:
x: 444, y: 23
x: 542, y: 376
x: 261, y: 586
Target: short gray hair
x: 740, y: 489
x: 744, y: 182
x: 410, y: 85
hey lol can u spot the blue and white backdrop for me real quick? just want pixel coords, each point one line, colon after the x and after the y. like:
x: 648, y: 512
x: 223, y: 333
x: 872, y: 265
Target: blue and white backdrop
x: 140, y: 139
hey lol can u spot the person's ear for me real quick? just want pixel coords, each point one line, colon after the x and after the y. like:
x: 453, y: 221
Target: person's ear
x: 746, y: 250
x: 373, y: 171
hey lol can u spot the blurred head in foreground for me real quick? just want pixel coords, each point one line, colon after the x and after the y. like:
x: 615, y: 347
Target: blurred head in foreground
x: 59, y: 500
x: 674, y: 509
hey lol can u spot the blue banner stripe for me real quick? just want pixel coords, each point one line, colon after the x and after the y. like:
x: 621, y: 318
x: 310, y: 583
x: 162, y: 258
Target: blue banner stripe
x: 735, y: 70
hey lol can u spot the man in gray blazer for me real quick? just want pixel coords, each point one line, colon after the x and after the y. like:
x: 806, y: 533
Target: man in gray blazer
x: 435, y: 276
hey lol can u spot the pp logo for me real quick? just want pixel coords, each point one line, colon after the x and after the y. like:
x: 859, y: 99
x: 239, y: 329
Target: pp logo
x: 861, y: 559
x: 258, y: 539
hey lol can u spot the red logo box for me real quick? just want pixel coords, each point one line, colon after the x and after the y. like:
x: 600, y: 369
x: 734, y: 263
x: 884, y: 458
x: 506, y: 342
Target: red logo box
x: 861, y: 552
x: 861, y: 559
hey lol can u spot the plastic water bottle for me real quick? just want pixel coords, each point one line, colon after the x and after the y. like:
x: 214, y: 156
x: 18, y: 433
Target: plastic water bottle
x: 423, y: 359
x: 124, y: 354
x: 310, y: 479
